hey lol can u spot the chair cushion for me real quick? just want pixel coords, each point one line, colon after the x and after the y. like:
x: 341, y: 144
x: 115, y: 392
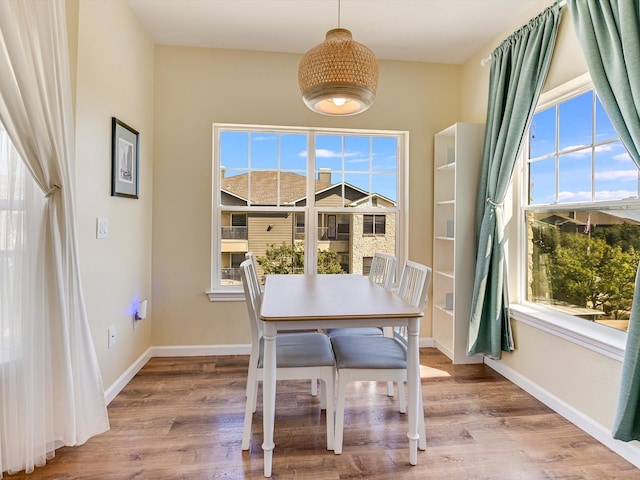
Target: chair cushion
x: 368, y: 352
x: 300, y: 350
x: 334, y: 332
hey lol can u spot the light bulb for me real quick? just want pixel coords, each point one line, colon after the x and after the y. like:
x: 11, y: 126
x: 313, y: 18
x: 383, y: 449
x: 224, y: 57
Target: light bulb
x: 338, y: 102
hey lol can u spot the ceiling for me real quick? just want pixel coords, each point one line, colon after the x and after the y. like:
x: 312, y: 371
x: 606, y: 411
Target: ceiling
x: 440, y: 31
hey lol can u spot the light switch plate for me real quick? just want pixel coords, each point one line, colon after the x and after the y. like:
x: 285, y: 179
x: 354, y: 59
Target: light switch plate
x: 102, y: 227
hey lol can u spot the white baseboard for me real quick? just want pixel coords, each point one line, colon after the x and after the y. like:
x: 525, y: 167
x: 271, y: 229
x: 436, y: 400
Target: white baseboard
x: 630, y: 451
x: 443, y: 349
x: 199, y: 350
x: 116, y: 387
x: 172, y: 351
x: 187, y: 351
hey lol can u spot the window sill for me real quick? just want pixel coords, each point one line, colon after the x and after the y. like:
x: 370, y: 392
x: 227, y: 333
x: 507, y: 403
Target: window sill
x: 226, y: 295
x: 599, y: 338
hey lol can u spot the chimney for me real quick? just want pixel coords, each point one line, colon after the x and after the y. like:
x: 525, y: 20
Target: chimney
x: 324, y: 175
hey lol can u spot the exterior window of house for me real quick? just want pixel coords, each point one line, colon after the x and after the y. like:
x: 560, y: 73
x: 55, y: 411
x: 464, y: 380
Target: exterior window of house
x: 299, y: 221
x: 581, y: 212
x: 304, y: 199
x: 374, y: 225
x: 366, y: 265
x: 332, y: 231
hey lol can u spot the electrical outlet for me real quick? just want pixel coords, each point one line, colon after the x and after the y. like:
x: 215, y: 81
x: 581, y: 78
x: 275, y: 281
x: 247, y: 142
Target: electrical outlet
x: 112, y: 336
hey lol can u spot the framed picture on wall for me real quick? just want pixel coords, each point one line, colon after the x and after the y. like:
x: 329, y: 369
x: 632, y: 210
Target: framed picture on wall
x: 124, y: 160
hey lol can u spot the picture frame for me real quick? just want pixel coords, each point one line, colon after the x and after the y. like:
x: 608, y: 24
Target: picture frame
x: 125, y: 159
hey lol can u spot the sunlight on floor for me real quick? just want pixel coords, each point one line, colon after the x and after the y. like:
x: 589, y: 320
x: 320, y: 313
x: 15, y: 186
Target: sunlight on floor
x: 430, y: 372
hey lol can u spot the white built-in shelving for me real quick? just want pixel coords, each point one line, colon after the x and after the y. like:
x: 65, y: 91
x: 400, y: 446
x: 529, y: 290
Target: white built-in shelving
x: 457, y: 159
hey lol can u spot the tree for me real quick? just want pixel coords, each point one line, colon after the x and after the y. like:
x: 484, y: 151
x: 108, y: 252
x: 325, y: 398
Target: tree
x: 287, y: 259
x: 587, y: 271
x: 544, y: 238
x: 328, y: 262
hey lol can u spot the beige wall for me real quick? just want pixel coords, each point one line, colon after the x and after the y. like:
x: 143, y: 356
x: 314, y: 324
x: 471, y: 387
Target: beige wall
x: 195, y: 87
x: 172, y: 96
x: 114, y: 78
x: 586, y: 381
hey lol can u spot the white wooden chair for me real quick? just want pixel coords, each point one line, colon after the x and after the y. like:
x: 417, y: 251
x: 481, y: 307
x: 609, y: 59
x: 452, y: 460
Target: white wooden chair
x: 299, y: 356
x: 381, y: 358
x: 383, y: 268
x: 251, y: 256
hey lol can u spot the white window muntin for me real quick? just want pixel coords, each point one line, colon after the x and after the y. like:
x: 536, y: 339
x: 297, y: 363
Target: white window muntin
x: 587, y: 334
x: 310, y: 211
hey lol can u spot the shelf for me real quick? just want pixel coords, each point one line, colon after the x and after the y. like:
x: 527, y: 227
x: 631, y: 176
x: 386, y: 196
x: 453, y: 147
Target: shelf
x: 442, y: 309
x: 444, y: 273
x: 457, y: 161
x: 446, y: 166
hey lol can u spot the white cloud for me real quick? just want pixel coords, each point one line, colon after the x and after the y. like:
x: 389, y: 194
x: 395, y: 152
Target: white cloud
x: 585, y: 151
x: 607, y: 147
x: 263, y: 138
x: 615, y: 194
x: 617, y: 175
x: 601, y: 195
x: 624, y: 157
x: 359, y: 160
x: 325, y: 153
x: 574, y: 196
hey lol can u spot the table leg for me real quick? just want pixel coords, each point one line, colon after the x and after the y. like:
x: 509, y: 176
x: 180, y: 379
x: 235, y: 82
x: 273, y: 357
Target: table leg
x: 269, y: 394
x: 413, y: 377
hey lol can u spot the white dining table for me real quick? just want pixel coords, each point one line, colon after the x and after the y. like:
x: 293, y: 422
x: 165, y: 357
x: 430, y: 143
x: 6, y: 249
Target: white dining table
x: 293, y: 302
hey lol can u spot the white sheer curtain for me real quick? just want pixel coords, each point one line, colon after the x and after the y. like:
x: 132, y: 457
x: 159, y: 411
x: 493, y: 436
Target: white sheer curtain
x: 50, y: 386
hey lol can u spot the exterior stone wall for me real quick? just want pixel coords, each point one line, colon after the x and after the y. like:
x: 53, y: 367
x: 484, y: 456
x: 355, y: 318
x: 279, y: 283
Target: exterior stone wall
x: 366, y: 245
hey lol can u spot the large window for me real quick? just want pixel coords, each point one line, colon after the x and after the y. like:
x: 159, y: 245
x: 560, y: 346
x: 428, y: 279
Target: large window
x: 582, y: 214
x: 304, y: 200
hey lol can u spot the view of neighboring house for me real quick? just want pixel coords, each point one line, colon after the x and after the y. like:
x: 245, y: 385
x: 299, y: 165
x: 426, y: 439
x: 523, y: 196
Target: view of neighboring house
x: 354, y: 236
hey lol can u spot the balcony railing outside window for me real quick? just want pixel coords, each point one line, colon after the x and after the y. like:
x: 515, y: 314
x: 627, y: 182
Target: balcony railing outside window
x: 323, y: 234
x: 232, y: 274
x: 234, y: 233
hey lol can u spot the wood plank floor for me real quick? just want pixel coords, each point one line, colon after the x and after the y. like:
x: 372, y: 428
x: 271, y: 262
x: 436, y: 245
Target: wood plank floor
x: 181, y: 418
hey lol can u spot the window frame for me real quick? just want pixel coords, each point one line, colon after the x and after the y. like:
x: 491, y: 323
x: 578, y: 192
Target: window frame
x: 598, y: 338
x: 375, y: 232
x: 219, y: 292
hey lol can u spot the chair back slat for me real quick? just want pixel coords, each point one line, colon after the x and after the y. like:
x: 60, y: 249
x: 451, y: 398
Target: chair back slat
x: 383, y: 267
x: 413, y: 290
x: 252, y: 257
x: 253, y: 297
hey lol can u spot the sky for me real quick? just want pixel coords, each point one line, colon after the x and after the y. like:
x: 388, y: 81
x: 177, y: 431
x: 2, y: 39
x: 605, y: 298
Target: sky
x: 615, y: 175
x: 367, y: 162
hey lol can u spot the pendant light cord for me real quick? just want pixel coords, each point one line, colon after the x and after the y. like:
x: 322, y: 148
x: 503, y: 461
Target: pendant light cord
x: 338, y: 13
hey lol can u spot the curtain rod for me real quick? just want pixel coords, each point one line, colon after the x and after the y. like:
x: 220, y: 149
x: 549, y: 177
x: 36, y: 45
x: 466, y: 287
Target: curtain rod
x: 486, y: 60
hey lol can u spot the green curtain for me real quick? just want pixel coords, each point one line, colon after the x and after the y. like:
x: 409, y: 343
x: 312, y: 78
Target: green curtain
x: 609, y: 33
x: 519, y: 67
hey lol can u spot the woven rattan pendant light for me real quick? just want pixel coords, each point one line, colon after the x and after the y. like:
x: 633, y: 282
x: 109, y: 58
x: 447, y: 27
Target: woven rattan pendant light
x: 339, y: 76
